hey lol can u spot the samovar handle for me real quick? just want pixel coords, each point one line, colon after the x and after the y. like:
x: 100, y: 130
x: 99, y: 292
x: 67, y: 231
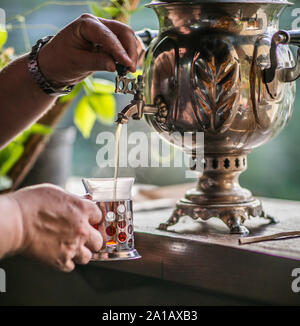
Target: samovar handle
x: 146, y: 35
x: 143, y: 40
x: 286, y: 75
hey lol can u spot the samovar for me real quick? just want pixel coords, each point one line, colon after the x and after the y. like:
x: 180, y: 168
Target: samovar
x: 222, y: 68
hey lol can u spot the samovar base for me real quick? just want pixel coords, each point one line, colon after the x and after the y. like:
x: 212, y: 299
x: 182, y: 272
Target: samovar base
x: 218, y: 194
x: 105, y: 255
x: 233, y: 215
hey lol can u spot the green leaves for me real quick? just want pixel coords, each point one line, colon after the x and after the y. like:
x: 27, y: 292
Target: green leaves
x: 98, y: 103
x: 113, y: 10
x: 75, y: 91
x: 4, y: 54
x: 40, y: 129
x: 10, y: 154
x: 137, y: 73
x: 104, y: 12
x: 36, y: 128
x: 104, y: 107
x: 3, y: 36
x: 84, y: 117
x: 103, y: 86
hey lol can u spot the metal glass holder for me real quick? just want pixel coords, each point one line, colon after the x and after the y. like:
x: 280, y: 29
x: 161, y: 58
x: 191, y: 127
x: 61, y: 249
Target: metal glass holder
x: 119, y: 231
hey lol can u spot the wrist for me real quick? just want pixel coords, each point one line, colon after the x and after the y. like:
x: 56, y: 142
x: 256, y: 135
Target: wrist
x: 40, y: 70
x: 45, y: 61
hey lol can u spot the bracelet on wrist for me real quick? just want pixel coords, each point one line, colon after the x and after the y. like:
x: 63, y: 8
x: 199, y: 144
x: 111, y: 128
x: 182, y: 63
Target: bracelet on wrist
x: 37, y: 74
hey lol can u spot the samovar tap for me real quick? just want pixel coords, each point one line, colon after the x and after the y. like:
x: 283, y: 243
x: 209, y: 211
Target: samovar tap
x: 137, y: 106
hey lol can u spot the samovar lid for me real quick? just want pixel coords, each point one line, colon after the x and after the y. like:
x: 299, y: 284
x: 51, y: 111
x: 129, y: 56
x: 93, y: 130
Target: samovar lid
x: 283, y: 2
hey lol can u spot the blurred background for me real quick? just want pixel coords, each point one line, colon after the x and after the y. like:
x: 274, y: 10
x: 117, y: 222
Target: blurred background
x: 273, y: 169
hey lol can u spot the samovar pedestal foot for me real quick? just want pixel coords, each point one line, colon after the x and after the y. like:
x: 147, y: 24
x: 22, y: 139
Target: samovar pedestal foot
x: 218, y: 194
x: 235, y: 223
x: 233, y: 215
x: 272, y: 219
x: 176, y: 214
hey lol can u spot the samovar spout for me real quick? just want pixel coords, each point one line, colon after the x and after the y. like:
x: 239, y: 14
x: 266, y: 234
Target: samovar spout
x: 135, y: 110
x: 137, y: 106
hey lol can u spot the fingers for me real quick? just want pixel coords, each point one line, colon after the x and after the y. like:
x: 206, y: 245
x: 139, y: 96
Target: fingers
x: 87, y: 196
x: 93, y: 243
x: 96, y: 240
x: 83, y: 256
x: 78, y: 250
x: 89, y: 209
x: 101, y: 229
x: 127, y: 38
x: 65, y: 254
x: 94, y: 61
x: 68, y: 266
x: 92, y: 30
x: 95, y: 214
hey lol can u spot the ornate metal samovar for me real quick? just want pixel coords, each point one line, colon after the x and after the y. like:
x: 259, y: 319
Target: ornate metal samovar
x: 222, y: 68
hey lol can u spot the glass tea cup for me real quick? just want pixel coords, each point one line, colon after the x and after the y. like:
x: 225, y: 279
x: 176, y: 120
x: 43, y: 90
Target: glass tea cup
x: 113, y: 197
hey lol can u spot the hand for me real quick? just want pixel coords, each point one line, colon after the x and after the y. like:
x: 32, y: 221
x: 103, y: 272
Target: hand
x: 86, y: 45
x: 57, y: 226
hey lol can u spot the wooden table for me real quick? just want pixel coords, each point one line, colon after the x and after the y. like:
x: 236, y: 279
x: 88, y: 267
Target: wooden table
x: 203, y: 255
x: 198, y: 263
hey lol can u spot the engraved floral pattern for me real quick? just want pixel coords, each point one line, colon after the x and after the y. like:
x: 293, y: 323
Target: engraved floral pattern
x: 215, y: 77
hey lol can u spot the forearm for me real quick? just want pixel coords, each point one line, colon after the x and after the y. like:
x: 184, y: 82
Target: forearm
x: 11, y: 227
x: 22, y: 101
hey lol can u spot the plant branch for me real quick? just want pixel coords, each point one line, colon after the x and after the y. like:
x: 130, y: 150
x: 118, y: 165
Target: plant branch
x: 21, y: 19
x: 11, y: 27
x: 51, y: 3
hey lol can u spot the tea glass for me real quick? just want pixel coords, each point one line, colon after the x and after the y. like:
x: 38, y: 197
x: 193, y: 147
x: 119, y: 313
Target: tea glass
x: 116, y: 207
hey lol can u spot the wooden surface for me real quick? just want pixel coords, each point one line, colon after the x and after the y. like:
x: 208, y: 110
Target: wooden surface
x: 203, y: 254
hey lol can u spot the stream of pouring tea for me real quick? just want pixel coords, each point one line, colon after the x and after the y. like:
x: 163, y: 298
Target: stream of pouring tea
x: 118, y: 133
